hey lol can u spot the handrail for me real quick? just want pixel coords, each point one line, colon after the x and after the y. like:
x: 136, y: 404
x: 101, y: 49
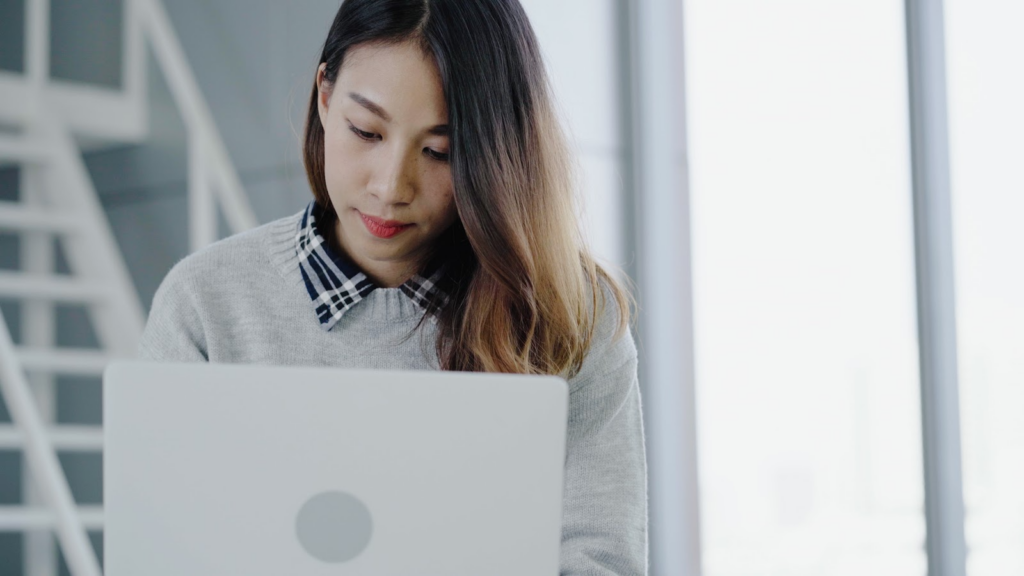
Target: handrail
x: 120, y: 328
x: 211, y: 172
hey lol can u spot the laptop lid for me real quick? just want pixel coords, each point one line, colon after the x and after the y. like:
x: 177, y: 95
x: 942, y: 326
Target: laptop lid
x: 213, y: 469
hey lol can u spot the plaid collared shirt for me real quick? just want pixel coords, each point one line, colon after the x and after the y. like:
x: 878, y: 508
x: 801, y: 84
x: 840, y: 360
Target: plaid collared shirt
x: 335, y: 284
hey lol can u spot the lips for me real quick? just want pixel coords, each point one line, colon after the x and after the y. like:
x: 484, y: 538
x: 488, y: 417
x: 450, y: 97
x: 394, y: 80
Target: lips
x: 382, y: 228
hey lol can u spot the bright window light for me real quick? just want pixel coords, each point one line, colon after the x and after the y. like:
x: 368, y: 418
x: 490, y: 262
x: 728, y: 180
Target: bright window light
x: 806, y: 349
x: 986, y: 89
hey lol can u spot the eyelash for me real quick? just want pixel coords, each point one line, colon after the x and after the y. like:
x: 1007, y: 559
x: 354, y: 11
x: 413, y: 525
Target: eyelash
x: 370, y: 136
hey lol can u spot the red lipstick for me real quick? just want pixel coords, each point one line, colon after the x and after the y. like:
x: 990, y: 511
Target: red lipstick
x: 382, y: 228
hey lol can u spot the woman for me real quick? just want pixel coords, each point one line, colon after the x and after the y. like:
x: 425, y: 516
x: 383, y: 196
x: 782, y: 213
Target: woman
x: 442, y: 235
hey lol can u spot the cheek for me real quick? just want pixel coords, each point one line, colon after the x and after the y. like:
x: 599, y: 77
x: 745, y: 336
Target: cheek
x: 451, y: 211
x: 442, y: 199
x: 341, y: 166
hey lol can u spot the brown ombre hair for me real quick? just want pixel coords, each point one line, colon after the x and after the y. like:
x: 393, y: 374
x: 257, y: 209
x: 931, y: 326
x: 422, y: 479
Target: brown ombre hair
x: 525, y: 291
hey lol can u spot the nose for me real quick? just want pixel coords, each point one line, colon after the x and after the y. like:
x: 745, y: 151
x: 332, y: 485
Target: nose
x: 393, y: 180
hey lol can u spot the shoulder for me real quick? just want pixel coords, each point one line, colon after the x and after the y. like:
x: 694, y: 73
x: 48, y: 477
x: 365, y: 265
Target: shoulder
x: 245, y: 250
x: 225, y: 273
x: 209, y: 285
x: 236, y: 258
x: 611, y: 346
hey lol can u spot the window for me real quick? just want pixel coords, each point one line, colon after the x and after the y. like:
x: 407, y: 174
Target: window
x: 986, y: 89
x: 806, y: 360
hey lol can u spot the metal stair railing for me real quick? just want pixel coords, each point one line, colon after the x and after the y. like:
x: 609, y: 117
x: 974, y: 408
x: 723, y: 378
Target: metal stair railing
x: 42, y: 459
x: 59, y: 201
x: 212, y: 176
x: 120, y: 116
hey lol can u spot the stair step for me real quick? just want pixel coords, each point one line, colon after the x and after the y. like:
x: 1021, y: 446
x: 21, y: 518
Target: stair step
x: 16, y: 217
x: 20, y: 518
x: 67, y: 361
x: 67, y: 438
x: 50, y: 287
x: 19, y: 149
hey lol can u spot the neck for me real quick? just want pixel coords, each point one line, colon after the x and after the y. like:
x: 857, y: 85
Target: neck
x: 386, y: 274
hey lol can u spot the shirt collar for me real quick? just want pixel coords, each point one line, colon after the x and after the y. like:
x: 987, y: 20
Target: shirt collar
x: 335, y: 284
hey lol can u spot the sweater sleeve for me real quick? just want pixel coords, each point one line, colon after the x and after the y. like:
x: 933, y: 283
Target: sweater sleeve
x: 174, y: 331
x: 604, y: 519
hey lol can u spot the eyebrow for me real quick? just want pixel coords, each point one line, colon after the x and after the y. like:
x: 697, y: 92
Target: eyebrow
x: 439, y: 130
x: 370, y: 105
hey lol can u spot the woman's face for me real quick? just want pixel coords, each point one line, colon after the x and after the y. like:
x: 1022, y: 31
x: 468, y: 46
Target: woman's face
x: 386, y: 158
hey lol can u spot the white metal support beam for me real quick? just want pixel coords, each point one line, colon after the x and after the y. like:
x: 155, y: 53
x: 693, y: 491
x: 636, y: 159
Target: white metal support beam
x: 936, y: 306
x: 37, y: 20
x: 39, y: 328
x: 665, y: 285
x: 65, y: 438
x: 134, y: 68
x: 21, y: 518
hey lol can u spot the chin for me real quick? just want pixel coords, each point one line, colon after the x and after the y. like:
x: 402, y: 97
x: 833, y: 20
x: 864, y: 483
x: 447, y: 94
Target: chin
x: 378, y: 251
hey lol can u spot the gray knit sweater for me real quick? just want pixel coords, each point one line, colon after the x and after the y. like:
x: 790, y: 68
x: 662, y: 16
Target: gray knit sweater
x: 242, y: 300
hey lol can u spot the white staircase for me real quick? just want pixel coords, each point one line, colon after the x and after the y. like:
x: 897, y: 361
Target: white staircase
x: 58, y: 202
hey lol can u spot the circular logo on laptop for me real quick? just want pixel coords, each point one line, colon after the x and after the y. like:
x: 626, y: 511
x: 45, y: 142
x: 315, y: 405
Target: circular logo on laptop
x: 334, y: 526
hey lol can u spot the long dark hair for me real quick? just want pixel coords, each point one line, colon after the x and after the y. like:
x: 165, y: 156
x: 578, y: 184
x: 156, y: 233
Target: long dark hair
x: 525, y: 295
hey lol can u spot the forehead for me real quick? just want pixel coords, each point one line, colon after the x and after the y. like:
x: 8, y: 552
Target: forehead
x: 401, y: 78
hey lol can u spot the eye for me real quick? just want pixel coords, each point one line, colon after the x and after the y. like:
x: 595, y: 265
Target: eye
x: 362, y: 134
x: 439, y: 156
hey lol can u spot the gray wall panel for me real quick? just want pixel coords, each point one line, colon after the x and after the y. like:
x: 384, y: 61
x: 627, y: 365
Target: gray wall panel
x: 12, y: 35
x: 86, y: 41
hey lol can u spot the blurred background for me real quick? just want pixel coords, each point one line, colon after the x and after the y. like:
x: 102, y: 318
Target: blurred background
x: 748, y: 164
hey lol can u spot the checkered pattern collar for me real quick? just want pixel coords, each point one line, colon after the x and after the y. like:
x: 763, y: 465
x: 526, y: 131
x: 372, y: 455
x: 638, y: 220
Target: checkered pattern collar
x: 336, y: 284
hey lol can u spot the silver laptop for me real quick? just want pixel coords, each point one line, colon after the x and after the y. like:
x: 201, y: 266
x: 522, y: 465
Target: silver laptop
x: 218, y: 469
